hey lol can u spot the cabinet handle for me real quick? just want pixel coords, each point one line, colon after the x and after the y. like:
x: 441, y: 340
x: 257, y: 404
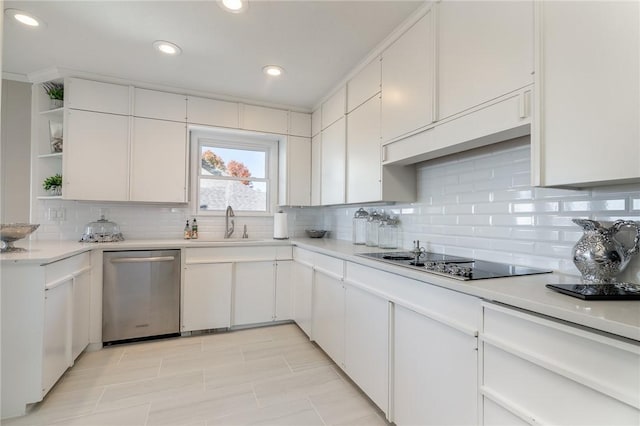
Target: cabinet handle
x: 384, y: 153
x: 58, y: 282
x: 143, y: 259
x: 524, y: 104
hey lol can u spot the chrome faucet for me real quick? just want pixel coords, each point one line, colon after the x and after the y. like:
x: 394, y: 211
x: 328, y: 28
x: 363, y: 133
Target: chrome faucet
x: 229, y: 213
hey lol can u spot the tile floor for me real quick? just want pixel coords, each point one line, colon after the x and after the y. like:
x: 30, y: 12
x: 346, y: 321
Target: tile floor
x: 261, y: 376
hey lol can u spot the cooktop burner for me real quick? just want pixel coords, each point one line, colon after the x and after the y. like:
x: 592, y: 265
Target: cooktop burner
x: 618, y: 291
x: 460, y: 268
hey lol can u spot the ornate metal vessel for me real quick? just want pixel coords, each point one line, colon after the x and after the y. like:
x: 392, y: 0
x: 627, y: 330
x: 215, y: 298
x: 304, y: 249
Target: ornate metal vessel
x: 11, y: 232
x: 598, y: 255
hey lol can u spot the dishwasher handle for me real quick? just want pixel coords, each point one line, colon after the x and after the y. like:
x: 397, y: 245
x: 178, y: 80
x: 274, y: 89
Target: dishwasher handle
x: 143, y: 259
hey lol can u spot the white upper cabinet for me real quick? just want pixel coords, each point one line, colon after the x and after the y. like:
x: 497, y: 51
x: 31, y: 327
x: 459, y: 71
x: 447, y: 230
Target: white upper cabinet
x: 299, y: 124
x: 96, y: 156
x: 587, y: 93
x: 408, y: 71
x: 333, y: 167
x: 264, y: 119
x: 334, y: 108
x: 485, y: 50
x: 364, y: 85
x: 95, y: 96
x: 363, y: 153
x: 212, y: 112
x: 316, y: 169
x: 158, y: 161
x: 159, y: 105
x: 316, y: 122
x: 294, y: 173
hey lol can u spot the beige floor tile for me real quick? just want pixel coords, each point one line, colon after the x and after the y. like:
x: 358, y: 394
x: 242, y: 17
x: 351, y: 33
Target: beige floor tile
x: 101, y: 358
x: 297, y: 385
x: 161, y: 351
x: 273, y: 348
x: 133, y: 416
x: 235, y: 337
x: 307, y: 356
x: 108, y: 375
x: 342, y: 405
x: 152, y: 390
x: 203, y: 405
x: 245, y: 372
x: 287, y: 331
x: 200, y: 361
x: 370, y: 420
x: 270, y: 415
x: 303, y: 418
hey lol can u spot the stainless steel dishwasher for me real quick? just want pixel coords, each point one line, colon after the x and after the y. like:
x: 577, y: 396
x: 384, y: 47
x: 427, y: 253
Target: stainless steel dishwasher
x: 141, y: 294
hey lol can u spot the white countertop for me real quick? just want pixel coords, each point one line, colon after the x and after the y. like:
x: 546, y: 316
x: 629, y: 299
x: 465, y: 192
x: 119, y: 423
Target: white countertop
x: 528, y: 292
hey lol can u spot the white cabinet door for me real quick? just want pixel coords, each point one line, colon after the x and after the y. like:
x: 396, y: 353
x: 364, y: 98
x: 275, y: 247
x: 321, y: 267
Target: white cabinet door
x: 435, y: 372
x: 81, y: 312
x: 316, y: 122
x: 206, y: 296
x: 295, y: 171
x: 159, y: 105
x: 363, y: 153
x: 159, y: 161
x: 299, y: 124
x: 485, y: 50
x: 253, y: 293
x: 333, y: 108
x: 364, y: 85
x: 333, y: 167
x: 96, y: 157
x: 284, y: 291
x: 328, y: 315
x: 96, y: 96
x: 302, y: 283
x: 212, y: 112
x: 264, y: 119
x: 56, y: 357
x: 316, y: 169
x: 408, y: 81
x: 366, y: 356
x: 588, y: 109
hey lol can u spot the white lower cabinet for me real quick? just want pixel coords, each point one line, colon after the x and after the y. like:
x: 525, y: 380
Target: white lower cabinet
x: 435, y: 372
x: 366, y: 355
x: 57, y: 332
x: 542, y: 371
x: 45, y: 326
x: 253, y: 293
x: 283, y: 291
x: 328, y: 306
x: 302, y: 286
x: 206, y: 296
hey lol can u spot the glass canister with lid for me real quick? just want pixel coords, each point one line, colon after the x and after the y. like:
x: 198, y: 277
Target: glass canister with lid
x: 360, y: 226
x: 388, y: 233
x: 373, y: 223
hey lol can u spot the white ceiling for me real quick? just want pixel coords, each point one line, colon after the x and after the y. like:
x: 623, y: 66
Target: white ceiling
x: 317, y: 42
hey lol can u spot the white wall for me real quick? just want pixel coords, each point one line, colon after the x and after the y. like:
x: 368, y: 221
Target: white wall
x: 16, y: 151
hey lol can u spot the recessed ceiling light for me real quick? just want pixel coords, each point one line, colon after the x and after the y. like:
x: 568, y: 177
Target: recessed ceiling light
x: 273, y: 70
x: 234, y: 6
x: 167, y: 47
x: 23, y: 17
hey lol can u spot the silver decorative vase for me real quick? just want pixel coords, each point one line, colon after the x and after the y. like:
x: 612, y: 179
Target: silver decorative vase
x: 598, y: 255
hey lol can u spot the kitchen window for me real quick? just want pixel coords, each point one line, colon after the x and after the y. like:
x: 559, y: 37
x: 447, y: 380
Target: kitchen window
x: 237, y: 169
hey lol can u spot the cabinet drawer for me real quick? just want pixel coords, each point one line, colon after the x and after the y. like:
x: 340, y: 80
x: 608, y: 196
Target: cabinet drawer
x: 328, y: 264
x: 558, y: 352
x: 66, y: 267
x: 541, y: 396
x: 236, y: 254
x: 302, y: 255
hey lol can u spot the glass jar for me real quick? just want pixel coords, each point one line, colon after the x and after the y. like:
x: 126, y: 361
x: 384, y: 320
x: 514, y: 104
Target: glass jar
x: 373, y: 223
x: 360, y: 226
x: 388, y: 233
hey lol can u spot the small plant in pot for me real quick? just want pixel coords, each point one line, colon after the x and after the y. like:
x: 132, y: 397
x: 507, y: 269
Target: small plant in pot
x: 53, y: 184
x: 55, y: 91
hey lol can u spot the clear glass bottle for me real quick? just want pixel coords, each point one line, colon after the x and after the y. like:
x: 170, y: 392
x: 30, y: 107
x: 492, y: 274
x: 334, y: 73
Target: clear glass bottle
x: 373, y: 224
x: 360, y: 226
x: 388, y: 233
x: 194, y: 229
x: 187, y: 231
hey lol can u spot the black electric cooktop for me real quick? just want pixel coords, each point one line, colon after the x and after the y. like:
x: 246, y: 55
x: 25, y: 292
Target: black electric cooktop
x: 618, y: 291
x: 460, y: 268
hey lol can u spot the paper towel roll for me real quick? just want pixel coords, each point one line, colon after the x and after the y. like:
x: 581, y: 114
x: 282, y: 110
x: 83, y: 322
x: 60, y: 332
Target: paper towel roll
x: 280, y: 226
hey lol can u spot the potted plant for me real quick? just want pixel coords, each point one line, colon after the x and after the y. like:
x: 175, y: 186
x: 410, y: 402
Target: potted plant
x: 53, y: 184
x: 55, y: 91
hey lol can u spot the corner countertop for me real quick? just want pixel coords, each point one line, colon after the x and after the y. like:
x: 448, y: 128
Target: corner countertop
x: 529, y: 293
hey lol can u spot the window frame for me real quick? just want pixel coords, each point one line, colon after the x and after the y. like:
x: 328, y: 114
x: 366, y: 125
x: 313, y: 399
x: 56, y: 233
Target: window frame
x: 234, y: 139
